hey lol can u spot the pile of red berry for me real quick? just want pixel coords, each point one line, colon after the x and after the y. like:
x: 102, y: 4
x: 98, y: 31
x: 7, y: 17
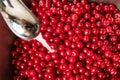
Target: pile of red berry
x: 85, y: 35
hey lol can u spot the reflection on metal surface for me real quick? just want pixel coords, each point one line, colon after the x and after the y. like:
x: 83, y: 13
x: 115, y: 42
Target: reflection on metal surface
x: 19, y: 19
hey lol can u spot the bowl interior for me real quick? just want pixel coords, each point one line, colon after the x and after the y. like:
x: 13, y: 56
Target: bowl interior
x: 116, y: 2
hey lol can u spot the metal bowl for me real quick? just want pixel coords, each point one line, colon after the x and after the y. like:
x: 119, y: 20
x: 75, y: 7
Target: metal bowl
x: 7, y: 37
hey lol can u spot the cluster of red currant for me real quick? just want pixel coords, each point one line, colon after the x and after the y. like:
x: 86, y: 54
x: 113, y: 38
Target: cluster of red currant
x: 85, y: 35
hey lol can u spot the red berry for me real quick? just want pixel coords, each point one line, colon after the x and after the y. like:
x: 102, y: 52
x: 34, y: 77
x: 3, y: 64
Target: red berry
x: 85, y: 36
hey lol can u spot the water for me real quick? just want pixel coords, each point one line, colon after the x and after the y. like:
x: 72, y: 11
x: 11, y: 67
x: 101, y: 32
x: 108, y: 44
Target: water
x: 44, y: 43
